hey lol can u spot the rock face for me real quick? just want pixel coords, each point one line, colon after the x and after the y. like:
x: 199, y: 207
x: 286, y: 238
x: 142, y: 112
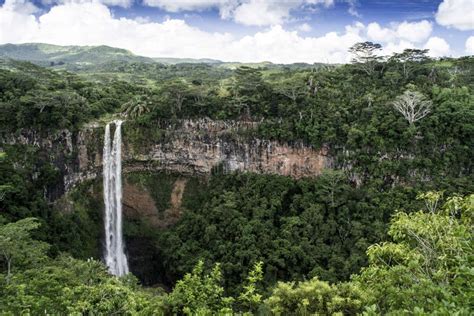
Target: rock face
x: 199, y: 147
x: 193, y: 147
x: 138, y: 204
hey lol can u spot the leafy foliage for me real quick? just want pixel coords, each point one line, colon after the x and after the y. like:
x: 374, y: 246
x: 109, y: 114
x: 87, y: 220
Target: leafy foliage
x: 299, y: 229
x: 315, y: 297
x: 428, y: 266
x: 17, y: 247
x: 199, y: 293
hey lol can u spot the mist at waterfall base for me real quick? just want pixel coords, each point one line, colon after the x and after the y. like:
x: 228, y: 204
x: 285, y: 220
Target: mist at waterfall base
x: 114, y: 255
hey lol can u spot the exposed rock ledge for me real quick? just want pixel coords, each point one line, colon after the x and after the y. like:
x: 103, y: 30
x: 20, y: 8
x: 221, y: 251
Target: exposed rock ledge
x: 192, y: 147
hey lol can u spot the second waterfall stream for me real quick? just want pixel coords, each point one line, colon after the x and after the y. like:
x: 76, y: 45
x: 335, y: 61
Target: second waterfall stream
x: 114, y: 255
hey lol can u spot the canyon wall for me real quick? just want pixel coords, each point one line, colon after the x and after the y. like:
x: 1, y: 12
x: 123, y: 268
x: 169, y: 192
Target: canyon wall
x: 193, y: 147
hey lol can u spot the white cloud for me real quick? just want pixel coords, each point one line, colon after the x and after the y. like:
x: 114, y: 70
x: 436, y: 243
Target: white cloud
x: 16, y: 24
x: 470, y: 45
x: 458, y: 14
x: 261, y: 12
x: 414, y: 32
x: 305, y: 27
x: 379, y: 34
x: 438, y: 47
x: 396, y: 47
x: 400, y: 36
x: 290, y: 47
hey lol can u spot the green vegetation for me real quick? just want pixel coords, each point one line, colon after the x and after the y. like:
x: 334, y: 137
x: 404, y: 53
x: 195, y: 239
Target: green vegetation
x: 429, y: 259
x: 346, y: 242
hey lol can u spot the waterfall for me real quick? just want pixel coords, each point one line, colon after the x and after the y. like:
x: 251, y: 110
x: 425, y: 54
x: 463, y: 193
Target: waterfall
x: 114, y: 256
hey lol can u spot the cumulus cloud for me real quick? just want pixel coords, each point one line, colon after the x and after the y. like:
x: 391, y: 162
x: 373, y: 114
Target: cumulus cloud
x: 400, y: 36
x: 290, y: 47
x: 261, y: 12
x: 470, y: 45
x: 438, y: 47
x: 380, y: 34
x: 457, y: 14
x: 414, y: 32
x: 16, y: 24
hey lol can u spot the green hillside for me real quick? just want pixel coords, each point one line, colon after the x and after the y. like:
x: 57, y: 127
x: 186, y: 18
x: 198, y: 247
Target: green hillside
x: 68, y: 56
x: 87, y: 58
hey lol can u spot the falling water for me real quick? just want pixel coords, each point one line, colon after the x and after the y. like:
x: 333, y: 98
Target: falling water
x: 112, y: 168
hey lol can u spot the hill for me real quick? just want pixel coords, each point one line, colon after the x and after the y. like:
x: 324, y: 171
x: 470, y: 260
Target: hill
x: 86, y: 58
x: 68, y: 56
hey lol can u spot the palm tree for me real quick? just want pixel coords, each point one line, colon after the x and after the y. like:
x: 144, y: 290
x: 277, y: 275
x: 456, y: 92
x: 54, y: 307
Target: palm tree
x: 136, y: 107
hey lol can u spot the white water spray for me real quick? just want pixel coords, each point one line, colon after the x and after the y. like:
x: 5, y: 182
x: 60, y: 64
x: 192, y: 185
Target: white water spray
x: 115, y: 258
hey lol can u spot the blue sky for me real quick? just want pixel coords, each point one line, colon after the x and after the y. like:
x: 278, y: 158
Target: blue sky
x: 245, y: 30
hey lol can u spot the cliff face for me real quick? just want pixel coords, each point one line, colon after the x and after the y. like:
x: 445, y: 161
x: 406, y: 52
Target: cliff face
x: 198, y: 147
x: 192, y: 147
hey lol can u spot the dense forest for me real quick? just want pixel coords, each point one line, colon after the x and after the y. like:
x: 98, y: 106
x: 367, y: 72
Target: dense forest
x: 386, y: 230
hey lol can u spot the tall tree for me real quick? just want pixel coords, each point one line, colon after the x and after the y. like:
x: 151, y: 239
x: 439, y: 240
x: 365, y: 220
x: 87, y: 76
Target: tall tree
x: 409, y: 59
x: 136, y: 107
x: 365, y: 55
x: 413, y: 105
x: 247, y: 87
x: 176, y: 91
x: 17, y: 247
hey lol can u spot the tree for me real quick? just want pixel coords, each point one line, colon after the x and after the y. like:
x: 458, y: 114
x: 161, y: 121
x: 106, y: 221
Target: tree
x: 330, y: 181
x: 67, y: 286
x: 176, y: 91
x: 247, y: 87
x: 427, y: 267
x: 365, y: 55
x: 17, y: 246
x: 293, y: 88
x: 250, y: 298
x: 409, y: 58
x: 413, y: 105
x: 111, y: 297
x: 198, y: 293
x: 136, y: 107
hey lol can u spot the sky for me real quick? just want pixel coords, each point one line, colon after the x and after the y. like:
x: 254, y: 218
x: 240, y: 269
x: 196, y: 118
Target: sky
x: 279, y: 31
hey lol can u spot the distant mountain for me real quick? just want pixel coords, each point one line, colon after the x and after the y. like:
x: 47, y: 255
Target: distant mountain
x: 84, y: 56
x: 64, y: 56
